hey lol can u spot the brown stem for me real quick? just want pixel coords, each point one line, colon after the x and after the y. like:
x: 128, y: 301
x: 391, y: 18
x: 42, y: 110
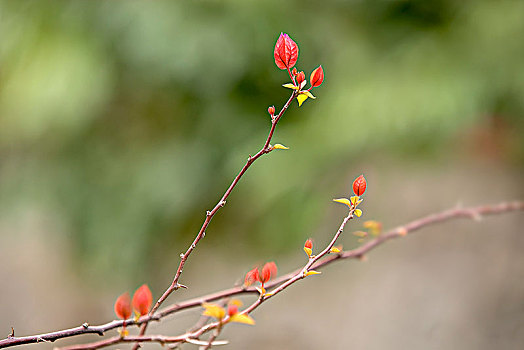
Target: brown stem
x: 213, y: 337
x: 209, y: 215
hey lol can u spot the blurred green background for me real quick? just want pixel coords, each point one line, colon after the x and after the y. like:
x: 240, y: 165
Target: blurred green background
x: 122, y: 122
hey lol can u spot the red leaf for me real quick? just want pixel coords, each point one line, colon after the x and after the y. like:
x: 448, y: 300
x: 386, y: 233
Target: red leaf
x: 142, y: 300
x: 286, y: 52
x: 308, y: 244
x: 269, y: 270
x: 123, y: 306
x: 232, y: 309
x: 317, y: 77
x: 300, y: 78
x: 359, y: 185
x: 251, y: 277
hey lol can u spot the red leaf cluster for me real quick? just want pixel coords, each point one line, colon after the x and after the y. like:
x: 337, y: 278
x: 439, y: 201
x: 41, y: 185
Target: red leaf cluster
x: 286, y: 52
x: 269, y: 270
x: 359, y: 185
x: 142, y: 301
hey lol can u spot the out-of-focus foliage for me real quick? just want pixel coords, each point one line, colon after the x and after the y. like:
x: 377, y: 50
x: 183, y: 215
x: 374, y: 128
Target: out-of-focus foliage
x: 122, y: 122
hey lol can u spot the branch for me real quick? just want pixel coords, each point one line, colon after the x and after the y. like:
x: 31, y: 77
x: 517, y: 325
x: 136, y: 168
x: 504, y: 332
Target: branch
x: 285, y: 281
x: 475, y: 213
x: 209, y: 215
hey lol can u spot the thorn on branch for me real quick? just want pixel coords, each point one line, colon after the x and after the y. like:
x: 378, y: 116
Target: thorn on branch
x: 12, y: 334
x: 179, y: 285
x: 363, y: 257
x: 40, y: 339
x: 475, y: 216
x: 85, y: 325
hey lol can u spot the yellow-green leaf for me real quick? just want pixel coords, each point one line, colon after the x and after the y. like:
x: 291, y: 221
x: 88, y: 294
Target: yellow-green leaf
x: 343, y: 201
x: 236, y: 302
x: 373, y: 226
x: 334, y: 250
x: 308, y: 251
x: 358, y: 213
x: 214, y: 310
x: 290, y: 86
x: 360, y: 234
x: 301, y: 98
x: 309, y: 94
x: 279, y: 146
x: 242, y: 318
x: 312, y: 272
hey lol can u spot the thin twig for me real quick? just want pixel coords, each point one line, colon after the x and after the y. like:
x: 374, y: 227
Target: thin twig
x: 209, y: 215
x: 456, y: 213
x: 213, y: 337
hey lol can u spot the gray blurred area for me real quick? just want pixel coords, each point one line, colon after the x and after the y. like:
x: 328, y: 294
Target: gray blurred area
x: 121, y: 123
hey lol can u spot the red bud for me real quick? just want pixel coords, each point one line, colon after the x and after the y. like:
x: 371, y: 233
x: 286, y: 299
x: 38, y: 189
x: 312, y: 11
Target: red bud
x: 251, y: 277
x: 359, y: 185
x: 271, y: 110
x: 317, y: 77
x: 294, y: 71
x: 142, y: 300
x: 300, y: 77
x: 308, y: 244
x: 269, y: 270
x: 286, y: 52
x: 123, y: 306
x: 232, y: 309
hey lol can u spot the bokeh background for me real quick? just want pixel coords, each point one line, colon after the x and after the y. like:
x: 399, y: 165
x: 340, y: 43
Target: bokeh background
x: 122, y: 122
